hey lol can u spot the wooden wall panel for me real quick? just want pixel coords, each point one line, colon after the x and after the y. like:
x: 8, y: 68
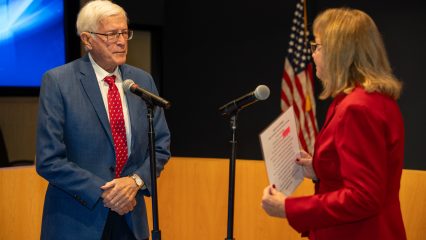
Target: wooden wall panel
x: 21, y: 203
x: 193, y: 202
x: 413, y: 203
x: 18, y: 120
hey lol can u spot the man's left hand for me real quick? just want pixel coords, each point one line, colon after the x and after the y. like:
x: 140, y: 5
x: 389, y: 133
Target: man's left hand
x: 119, y: 194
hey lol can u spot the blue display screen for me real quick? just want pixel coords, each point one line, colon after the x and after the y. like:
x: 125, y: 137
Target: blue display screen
x: 31, y: 40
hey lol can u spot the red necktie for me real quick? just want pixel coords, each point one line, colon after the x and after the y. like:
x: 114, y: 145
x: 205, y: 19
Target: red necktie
x: 116, y: 120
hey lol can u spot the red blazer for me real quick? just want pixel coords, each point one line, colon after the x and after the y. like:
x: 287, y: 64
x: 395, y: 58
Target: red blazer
x: 358, y: 160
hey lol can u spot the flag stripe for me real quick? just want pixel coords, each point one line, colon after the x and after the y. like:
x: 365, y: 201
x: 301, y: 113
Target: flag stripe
x: 297, y: 81
x: 302, y: 117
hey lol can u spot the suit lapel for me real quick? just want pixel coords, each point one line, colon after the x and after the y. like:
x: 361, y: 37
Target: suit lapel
x: 91, y: 87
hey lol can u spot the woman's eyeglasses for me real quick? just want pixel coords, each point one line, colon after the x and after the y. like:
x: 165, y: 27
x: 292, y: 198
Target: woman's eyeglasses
x: 314, y: 46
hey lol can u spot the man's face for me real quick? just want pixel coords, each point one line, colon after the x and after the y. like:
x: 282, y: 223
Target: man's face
x: 108, y: 53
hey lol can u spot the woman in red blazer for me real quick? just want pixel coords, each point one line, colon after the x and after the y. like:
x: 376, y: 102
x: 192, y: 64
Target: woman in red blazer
x: 358, y: 158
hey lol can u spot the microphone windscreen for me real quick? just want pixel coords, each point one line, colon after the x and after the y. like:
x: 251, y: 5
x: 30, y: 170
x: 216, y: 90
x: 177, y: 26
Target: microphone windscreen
x: 261, y: 92
x: 127, y: 84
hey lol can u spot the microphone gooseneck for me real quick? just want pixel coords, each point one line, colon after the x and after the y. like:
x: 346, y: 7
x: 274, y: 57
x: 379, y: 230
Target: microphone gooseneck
x: 150, y: 98
x: 260, y: 93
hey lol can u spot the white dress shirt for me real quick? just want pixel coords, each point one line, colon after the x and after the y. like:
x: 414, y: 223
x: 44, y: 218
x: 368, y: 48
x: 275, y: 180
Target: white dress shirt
x: 103, y: 86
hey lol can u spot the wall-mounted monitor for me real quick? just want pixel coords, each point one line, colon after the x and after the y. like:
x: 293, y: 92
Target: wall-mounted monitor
x: 32, y: 40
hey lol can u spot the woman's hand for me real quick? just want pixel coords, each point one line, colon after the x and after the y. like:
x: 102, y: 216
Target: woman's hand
x: 273, y: 202
x: 305, y: 160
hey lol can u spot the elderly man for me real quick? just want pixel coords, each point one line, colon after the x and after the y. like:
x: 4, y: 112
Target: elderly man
x: 92, y: 138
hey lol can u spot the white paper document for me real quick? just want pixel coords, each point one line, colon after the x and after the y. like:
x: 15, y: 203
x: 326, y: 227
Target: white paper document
x: 280, y: 146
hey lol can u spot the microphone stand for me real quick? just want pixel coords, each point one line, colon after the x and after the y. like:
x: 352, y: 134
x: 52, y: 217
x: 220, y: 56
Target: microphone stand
x: 155, y: 233
x: 232, y: 160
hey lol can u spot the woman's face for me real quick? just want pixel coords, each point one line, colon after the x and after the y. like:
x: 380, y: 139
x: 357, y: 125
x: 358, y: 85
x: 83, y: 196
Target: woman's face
x: 317, y: 55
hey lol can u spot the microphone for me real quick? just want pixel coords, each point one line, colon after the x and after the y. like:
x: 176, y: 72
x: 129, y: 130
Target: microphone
x: 260, y: 93
x: 151, y: 98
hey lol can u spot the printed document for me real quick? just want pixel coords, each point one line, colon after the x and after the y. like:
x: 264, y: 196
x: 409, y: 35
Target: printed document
x: 280, y: 146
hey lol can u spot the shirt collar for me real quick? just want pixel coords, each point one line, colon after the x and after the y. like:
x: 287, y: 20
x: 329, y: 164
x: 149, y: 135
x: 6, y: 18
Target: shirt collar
x: 101, y: 73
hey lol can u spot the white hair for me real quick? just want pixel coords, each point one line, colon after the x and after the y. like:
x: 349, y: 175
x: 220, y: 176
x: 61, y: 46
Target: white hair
x: 93, y: 12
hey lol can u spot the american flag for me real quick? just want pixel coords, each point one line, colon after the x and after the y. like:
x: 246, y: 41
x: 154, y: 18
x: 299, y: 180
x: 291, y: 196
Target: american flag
x: 297, y: 82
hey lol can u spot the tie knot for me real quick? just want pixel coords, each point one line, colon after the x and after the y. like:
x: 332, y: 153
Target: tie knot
x: 110, y: 80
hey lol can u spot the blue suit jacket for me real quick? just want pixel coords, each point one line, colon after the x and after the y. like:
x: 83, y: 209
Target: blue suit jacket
x: 75, y: 152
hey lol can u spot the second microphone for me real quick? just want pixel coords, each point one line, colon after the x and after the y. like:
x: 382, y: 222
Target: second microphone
x: 260, y: 93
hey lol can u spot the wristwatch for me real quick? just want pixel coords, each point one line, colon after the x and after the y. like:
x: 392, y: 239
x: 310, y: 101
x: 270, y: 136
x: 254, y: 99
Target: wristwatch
x: 138, y: 180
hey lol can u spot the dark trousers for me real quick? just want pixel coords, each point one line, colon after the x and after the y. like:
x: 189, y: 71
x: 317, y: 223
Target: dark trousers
x: 116, y: 228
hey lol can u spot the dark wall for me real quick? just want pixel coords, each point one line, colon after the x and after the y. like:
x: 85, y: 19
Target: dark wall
x: 144, y: 12
x: 215, y: 51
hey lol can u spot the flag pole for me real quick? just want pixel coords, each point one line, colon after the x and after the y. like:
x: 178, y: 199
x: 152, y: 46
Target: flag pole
x: 305, y: 20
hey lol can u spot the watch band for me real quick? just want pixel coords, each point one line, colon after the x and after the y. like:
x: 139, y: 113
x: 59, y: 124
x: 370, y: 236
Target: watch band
x: 137, y: 180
